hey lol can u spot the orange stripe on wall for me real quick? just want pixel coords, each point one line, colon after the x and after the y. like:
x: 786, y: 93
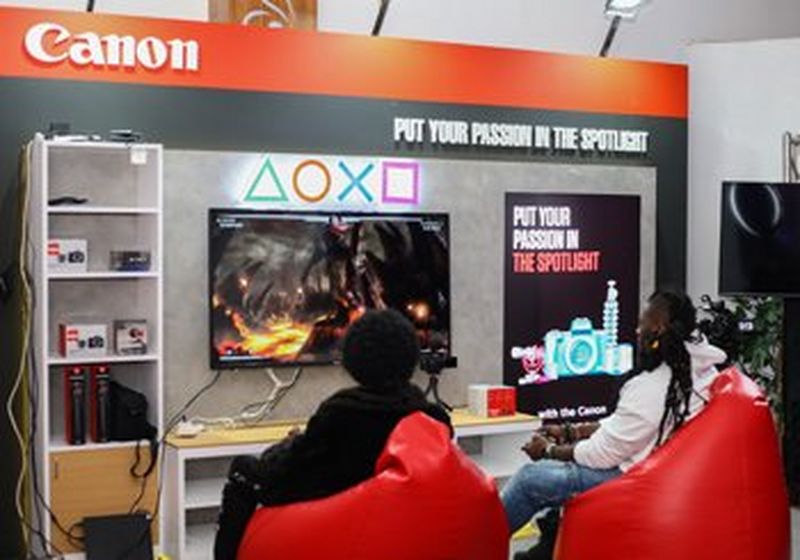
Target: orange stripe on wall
x: 256, y: 59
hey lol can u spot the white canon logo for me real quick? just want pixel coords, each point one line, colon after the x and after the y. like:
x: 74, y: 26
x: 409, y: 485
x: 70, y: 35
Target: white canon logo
x: 52, y: 43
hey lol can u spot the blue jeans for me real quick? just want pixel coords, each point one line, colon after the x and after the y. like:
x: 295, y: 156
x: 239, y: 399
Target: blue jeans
x: 547, y: 484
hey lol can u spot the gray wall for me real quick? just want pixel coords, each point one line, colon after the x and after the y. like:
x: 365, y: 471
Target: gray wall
x: 743, y: 100
x: 472, y: 192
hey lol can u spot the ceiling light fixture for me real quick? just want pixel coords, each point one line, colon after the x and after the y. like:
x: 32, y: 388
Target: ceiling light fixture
x: 618, y: 10
x: 627, y: 9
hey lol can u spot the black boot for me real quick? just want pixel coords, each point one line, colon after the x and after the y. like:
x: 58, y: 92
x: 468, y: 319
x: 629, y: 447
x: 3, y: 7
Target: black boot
x: 548, y: 528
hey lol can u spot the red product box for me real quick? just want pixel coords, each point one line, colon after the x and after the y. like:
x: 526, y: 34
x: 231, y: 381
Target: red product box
x: 492, y: 401
x: 75, y: 405
x: 99, y: 403
x: 82, y: 340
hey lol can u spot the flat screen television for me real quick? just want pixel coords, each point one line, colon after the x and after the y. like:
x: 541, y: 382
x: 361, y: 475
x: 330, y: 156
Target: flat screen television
x: 760, y: 239
x: 285, y: 286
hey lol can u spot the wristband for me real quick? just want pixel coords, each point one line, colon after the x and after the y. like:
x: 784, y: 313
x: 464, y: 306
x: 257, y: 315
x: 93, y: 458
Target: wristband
x: 548, y: 451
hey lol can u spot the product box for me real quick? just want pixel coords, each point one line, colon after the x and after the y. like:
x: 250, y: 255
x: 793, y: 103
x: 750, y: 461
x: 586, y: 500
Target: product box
x: 67, y: 255
x: 130, y: 336
x: 130, y: 261
x: 100, y: 403
x: 491, y: 401
x: 82, y: 340
x: 75, y: 405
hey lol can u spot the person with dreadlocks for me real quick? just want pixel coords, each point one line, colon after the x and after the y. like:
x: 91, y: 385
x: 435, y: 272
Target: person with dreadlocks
x: 675, y: 370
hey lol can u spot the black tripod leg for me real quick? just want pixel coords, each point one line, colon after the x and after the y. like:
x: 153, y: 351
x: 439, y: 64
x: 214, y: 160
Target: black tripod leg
x: 433, y: 388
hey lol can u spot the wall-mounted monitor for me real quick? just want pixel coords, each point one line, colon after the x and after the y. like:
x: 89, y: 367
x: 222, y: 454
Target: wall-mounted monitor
x: 284, y: 287
x: 760, y: 239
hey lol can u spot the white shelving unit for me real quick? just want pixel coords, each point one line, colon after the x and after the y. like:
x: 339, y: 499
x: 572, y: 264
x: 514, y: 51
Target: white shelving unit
x: 200, y: 540
x: 123, y: 186
x: 113, y: 275
x: 195, y: 471
x: 101, y: 210
x: 58, y: 444
x: 132, y: 359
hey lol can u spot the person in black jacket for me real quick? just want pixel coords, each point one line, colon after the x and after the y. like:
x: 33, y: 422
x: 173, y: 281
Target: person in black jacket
x: 343, y: 439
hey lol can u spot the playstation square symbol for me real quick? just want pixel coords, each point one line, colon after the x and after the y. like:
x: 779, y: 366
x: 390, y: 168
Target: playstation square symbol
x: 401, y: 182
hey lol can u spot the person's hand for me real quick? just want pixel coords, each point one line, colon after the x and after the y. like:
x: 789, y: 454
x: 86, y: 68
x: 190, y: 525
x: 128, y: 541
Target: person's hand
x: 556, y: 433
x: 536, y: 447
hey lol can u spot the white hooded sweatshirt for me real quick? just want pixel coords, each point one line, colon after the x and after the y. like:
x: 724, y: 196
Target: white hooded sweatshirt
x: 629, y: 435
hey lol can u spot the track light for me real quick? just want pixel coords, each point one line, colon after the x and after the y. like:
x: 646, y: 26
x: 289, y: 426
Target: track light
x: 627, y: 9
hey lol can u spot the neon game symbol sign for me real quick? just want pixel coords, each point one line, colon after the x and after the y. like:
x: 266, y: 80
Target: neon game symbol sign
x: 283, y: 179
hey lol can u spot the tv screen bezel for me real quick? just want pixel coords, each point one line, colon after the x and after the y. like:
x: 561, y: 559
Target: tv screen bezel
x: 723, y: 200
x: 216, y: 364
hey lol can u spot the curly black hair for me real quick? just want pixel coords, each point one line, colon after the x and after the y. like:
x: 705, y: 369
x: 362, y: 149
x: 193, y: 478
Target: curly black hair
x: 381, y: 350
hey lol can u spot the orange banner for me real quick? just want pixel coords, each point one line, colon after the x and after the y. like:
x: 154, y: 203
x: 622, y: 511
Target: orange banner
x: 100, y: 48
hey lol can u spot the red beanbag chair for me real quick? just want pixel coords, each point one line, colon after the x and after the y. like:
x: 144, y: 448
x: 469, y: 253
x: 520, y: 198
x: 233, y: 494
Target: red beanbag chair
x: 715, y: 491
x: 427, y: 501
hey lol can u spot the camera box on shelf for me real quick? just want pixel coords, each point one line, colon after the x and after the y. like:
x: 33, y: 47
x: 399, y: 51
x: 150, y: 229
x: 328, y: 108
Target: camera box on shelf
x: 130, y: 261
x: 83, y: 340
x: 67, y: 255
x: 130, y: 336
x: 491, y: 401
x: 75, y: 399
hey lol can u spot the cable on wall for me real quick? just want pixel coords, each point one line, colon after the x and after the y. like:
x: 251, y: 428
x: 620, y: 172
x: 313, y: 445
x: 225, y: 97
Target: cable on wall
x: 254, y: 413
x: 384, y: 7
x: 176, y: 418
x: 25, y: 313
x: 28, y: 465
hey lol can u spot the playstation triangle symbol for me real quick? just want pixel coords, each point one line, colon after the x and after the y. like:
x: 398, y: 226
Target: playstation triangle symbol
x: 267, y: 186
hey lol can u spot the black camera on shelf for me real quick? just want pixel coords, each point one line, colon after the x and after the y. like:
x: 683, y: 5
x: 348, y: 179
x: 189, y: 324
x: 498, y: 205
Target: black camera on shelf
x: 92, y: 342
x: 73, y: 257
x: 435, y: 362
x: 723, y: 328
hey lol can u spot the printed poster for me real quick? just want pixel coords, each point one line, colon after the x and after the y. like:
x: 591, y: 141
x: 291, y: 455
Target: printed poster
x: 572, y: 265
